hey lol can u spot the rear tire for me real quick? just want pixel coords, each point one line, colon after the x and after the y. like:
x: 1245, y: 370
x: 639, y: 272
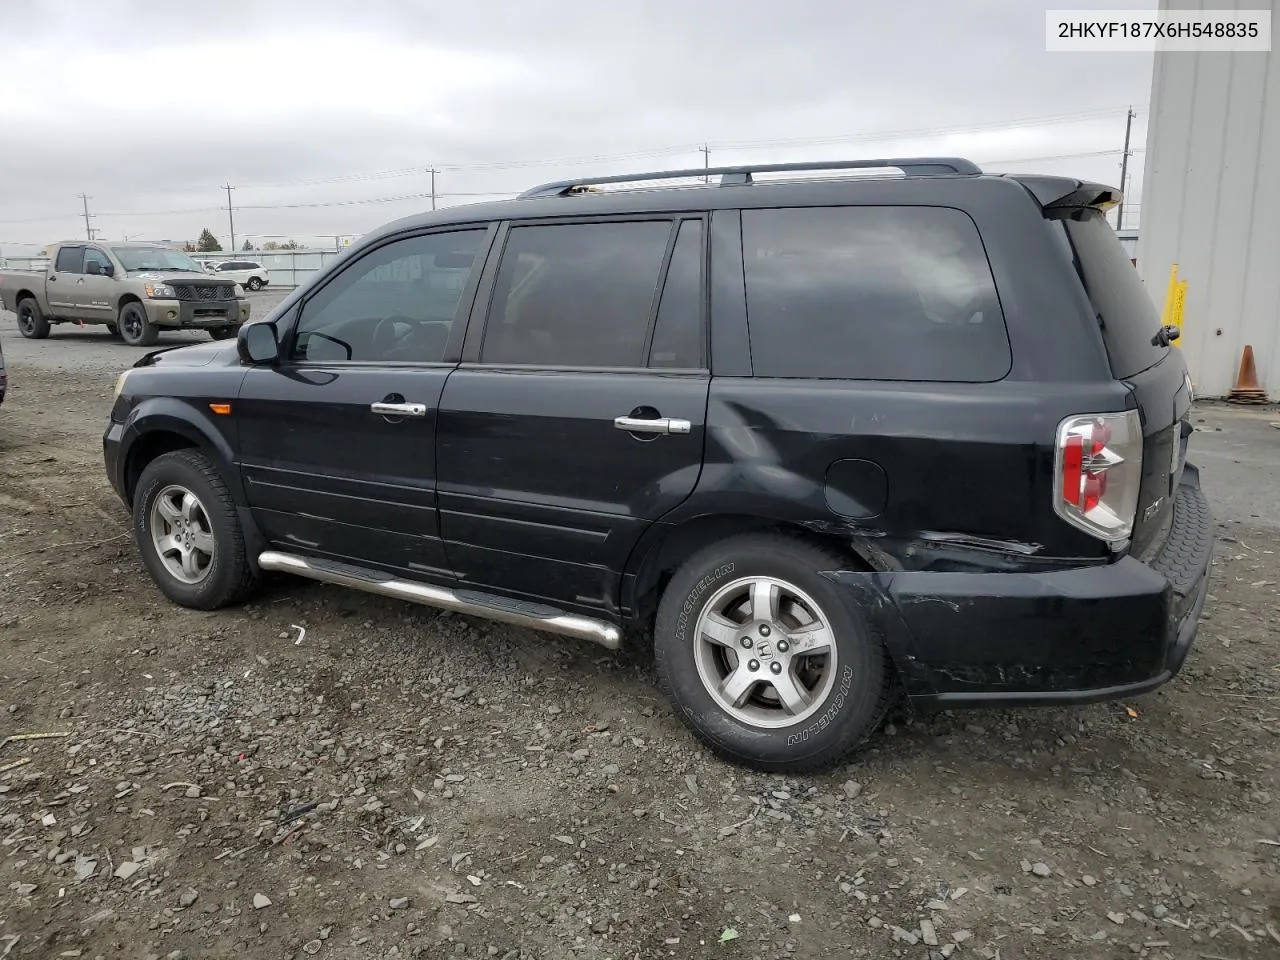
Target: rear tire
x: 188, y: 532
x: 113, y: 329
x: 31, y: 321
x: 770, y: 705
x: 135, y: 329
x: 222, y: 333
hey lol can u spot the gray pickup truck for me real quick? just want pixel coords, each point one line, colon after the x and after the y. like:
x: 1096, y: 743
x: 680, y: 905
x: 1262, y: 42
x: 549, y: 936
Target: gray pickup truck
x: 136, y: 290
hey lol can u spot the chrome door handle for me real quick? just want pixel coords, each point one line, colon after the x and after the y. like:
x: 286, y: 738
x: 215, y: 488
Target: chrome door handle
x: 399, y: 409
x: 658, y: 425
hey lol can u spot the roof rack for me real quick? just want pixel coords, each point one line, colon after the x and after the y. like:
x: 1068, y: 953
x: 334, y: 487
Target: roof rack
x: 731, y: 176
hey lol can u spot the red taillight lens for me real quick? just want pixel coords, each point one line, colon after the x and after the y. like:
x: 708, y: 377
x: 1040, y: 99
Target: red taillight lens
x: 1072, y: 468
x: 1099, y: 473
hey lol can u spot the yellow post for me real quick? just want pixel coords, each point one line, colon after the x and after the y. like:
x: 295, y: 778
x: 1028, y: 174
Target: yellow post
x: 1179, y: 301
x: 1170, y: 294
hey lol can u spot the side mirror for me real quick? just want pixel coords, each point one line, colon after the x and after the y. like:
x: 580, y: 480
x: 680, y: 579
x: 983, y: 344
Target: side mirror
x: 258, y: 344
x: 93, y: 268
x: 108, y: 270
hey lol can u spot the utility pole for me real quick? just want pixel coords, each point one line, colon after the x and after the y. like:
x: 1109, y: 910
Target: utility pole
x: 433, y: 171
x: 88, y: 230
x: 231, y: 217
x: 706, y: 162
x: 1124, y: 167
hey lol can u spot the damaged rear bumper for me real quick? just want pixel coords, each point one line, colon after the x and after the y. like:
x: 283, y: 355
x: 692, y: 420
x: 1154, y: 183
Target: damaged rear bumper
x: 1064, y: 636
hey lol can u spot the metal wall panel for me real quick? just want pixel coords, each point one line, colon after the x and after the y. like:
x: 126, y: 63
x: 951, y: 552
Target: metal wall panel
x: 1211, y: 203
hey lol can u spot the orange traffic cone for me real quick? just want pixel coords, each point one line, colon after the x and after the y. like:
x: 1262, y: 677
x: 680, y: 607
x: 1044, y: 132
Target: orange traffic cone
x: 1246, y: 389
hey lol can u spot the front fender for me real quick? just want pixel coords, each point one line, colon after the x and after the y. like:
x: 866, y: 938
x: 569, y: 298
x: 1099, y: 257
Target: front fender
x: 191, y: 420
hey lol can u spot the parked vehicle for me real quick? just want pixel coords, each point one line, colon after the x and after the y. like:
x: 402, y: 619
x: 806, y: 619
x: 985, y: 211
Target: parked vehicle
x: 828, y: 438
x: 247, y: 273
x: 136, y: 290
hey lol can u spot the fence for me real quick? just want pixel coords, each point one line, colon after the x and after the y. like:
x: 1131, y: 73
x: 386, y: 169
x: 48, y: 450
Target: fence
x: 289, y: 268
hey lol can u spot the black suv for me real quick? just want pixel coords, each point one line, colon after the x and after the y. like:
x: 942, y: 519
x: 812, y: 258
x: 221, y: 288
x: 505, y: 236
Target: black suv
x: 830, y: 437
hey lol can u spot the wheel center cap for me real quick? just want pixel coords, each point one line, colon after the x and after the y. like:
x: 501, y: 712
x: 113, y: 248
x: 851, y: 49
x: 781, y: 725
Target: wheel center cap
x: 764, y: 650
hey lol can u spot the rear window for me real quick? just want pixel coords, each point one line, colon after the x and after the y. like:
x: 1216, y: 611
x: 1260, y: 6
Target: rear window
x: 871, y: 293
x: 1125, y: 312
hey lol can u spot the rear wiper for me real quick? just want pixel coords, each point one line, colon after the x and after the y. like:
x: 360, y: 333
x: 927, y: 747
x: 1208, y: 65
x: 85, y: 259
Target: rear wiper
x: 1165, y: 336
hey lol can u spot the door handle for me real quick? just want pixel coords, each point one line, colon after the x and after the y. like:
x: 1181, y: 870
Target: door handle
x: 399, y: 409
x: 651, y: 425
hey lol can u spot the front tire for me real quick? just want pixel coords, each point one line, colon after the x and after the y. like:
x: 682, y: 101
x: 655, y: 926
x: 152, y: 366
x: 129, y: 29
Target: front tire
x: 113, y: 329
x: 135, y: 329
x: 222, y: 333
x: 31, y: 321
x: 254, y: 284
x: 768, y: 662
x: 189, y: 534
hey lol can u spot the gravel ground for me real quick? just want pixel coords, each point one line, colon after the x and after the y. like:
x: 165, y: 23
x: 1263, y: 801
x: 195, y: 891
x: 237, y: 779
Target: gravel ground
x: 324, y: 773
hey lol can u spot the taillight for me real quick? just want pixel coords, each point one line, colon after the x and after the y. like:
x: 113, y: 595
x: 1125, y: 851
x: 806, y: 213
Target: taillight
x: 1098, y: 473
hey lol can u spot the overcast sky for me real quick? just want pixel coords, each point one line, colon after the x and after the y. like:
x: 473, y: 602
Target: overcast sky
x: 149, y: 106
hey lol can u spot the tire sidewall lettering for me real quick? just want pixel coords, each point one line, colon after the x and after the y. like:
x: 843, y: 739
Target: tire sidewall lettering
x: 828, y: 715
x: 691, y: 602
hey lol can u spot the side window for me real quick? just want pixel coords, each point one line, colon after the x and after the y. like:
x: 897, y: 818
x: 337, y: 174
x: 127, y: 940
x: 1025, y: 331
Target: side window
x: 92, y: 255
x: 70, y: 260
x: 577, y: 295
x: 677, y: 335
x: 396, y: 304
x: 871, y: 293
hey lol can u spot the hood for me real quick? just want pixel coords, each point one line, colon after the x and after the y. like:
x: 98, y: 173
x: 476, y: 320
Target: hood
x: 179, y: 276
x: 215, y: 352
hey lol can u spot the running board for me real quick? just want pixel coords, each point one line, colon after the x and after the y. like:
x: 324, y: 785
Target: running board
x: 476, y: 604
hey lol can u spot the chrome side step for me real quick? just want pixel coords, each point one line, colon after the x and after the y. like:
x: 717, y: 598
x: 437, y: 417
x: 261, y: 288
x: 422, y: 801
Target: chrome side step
x: 502, y: 609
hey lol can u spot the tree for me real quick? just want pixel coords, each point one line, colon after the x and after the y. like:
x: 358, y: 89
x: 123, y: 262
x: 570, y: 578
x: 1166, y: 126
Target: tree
x: 271, y: 245
x: 247, y: 247
x: 290, y: 245
x: 188, y: 247
x: 207, y: 243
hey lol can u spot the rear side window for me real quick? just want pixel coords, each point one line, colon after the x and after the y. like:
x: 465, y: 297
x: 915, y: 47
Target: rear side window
x: 576, y: 295
x: 677, y: 334
x: 70, y: 260
x: 1125, y: 312
x: 871, y: 293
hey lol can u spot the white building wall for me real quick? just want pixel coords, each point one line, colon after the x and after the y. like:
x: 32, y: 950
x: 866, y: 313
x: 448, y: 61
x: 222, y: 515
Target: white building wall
x: 1211, y: 203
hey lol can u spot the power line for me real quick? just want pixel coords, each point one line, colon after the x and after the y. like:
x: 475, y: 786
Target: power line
x: 706, y: 147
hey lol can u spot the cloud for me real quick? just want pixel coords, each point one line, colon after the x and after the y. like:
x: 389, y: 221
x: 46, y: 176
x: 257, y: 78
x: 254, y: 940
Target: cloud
x: 149, y: 107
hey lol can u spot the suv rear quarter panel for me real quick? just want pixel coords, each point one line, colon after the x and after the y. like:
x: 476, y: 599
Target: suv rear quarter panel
x: 965, y: 477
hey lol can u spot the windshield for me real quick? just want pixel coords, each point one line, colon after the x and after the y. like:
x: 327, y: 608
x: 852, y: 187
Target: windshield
x: 155, y: 258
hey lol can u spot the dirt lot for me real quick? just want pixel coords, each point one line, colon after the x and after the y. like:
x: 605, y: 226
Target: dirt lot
x: 402, y: 783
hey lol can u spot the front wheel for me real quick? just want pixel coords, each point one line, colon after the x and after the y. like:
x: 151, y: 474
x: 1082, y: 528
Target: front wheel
x: 113, y: 330
x: 189, y: 534
x: 31, y: 322
x: 135, y: 329
x: 770, y: 663
x: 254, y: 284
x: 222, y: 333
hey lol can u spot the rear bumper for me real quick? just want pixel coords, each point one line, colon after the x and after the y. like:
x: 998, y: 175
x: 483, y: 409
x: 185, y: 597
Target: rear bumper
x: 1064, y: 636
x: 197, y: 314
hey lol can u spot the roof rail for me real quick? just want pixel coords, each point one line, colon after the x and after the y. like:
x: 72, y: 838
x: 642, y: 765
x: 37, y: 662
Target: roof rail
x: 730, y: 176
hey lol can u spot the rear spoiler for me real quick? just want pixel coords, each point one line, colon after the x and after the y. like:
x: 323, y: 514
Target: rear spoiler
x: 1059, y: 192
